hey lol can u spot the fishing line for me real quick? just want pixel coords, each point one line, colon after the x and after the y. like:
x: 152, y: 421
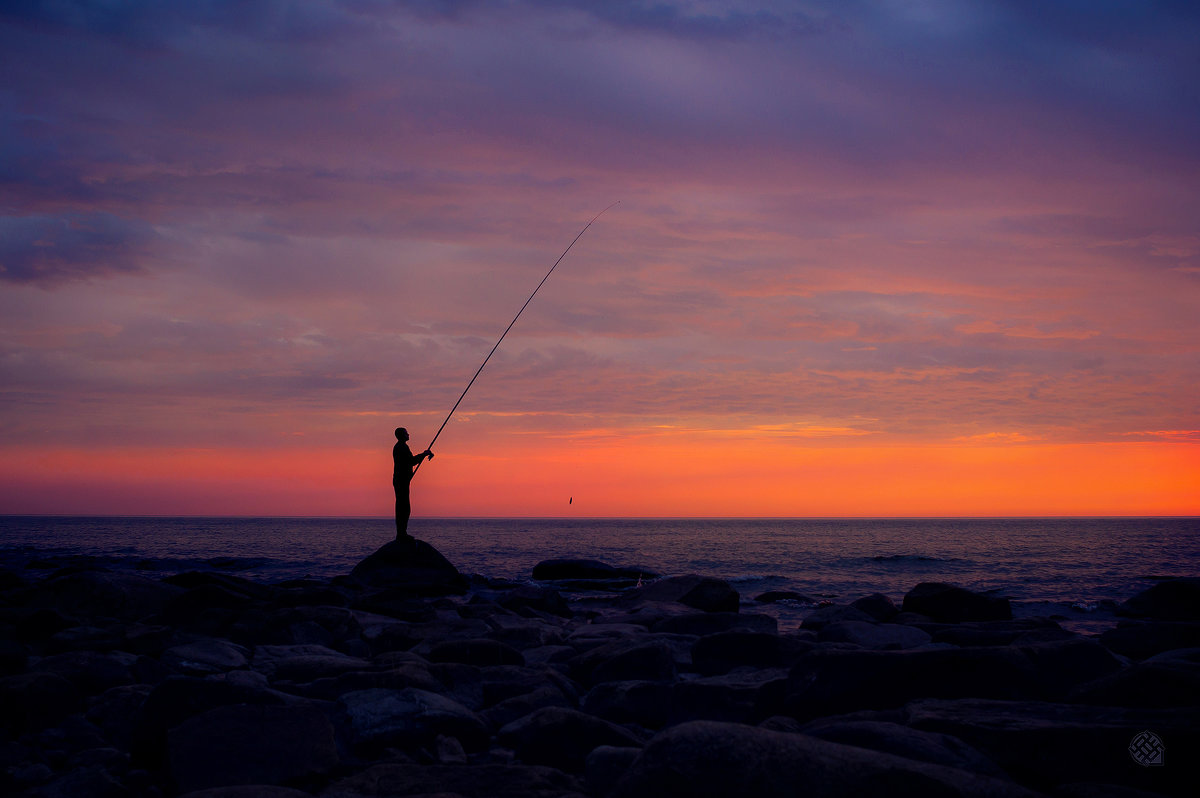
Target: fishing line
x: 509, y: 327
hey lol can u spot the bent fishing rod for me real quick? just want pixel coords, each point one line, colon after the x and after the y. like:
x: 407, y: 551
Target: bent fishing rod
x: 509, y: 327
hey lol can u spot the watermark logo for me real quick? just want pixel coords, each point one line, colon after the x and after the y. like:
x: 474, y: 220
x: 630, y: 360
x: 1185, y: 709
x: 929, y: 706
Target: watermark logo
x: 1147, y: 749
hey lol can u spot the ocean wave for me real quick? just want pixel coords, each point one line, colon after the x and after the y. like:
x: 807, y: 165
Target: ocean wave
x: 741, y: 579
x: 910, y: 558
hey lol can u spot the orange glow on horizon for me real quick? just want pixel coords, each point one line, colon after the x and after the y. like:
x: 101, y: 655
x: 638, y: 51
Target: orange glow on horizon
x: 678, y: 476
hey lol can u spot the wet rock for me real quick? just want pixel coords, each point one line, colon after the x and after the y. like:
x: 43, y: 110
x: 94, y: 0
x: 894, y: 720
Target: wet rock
x: 248, y: 791
x: 478, y: 651
x: 1169, y: 600
x: 720, y: 653
x: 646, y: 703
x: 204, y: 657
x: 304, y: 663
x: 510, y: 709
x: 525, y: 633
x: 1045, y: 744
x: 833, y: 682
x: 576, y: 569
x: 625, y: 659
x: 37, y: 700
x: 332, y: 687
x: 39, y: 623
x: 562, y: 738
x: 462, y: 683
x: 698, y: 592
x: 528, y: 599
x: 1063, y: 665
x: 707, y: 623
x: 407, y: 717
x: 710, y: 758
x: 501, y: 682
x: 181, y: 697
x: 739, y: 697
x: 468, y: 781
x: 605, y: 766
x: 84, y: 782
x: 1171, y: 679
x: 92, y: 594
x: 412, y: 567
x: 246, y: 744
x: 893, y: 738
x: 91, y: 671
x: 113, y: 712
x: 821, y: 618
x: 995, y: 633
x: 13, y: 657
x: 883, y: 636
x: 773, y: 596
x: 1143, y: 639
x: 952, y: 604
x: 878, y: 606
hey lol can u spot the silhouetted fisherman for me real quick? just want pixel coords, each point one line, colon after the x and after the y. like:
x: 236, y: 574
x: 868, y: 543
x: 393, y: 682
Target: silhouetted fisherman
x: 403, y: 463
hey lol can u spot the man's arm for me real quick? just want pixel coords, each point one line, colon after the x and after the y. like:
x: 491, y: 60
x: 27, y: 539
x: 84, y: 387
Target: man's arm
x: 417, y: 458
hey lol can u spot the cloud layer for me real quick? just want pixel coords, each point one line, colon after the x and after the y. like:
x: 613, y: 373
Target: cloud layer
x: 283, y: 225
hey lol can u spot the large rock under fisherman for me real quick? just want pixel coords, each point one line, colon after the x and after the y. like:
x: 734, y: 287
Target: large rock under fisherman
x: 410, y: 565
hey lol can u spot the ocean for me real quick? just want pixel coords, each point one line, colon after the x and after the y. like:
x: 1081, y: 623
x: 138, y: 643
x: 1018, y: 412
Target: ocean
x: 1075, y: 567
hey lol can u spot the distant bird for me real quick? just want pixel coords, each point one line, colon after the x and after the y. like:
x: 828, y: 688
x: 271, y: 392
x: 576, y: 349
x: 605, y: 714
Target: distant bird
x: 571, y: 500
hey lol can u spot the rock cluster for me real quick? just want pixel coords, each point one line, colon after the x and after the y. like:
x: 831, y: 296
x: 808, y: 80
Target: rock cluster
x: 405, y: 678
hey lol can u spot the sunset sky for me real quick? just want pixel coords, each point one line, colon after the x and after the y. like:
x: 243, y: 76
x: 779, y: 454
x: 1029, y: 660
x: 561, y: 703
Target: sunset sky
x: 870, y: 258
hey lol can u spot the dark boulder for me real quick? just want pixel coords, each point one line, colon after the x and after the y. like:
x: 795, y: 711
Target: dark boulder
x: 873, y: 635
x: 952, y: 604
x: 92, y: 594
x: 773, y: 596
x: 1171, y: 679
x: 562, y: 738
x: 91, y: 671
x: 1143, y: 639
x: 893, y: 738
x: 1169, y: 600
x: 699, y: 592
x: 574, y: 569
x: 837, y: 613
x: 248, y: 791
x: 36, y: 700
x: 1063, y: 665
x: 246, y: 744
x: 411, y: 566
x: 510, y: 709
x: 408, y: 717
x: 204, y: 657
x: 995, y: 633
x: 829, y: 682
x: 606, y: 765
x: 739, y: 697
x: 735, y: 761
x: 624, y: 659
x: 468, y: 781
x: 707, y: 623
x: 720, y: 653
x: 646, y: 703
x: 1046, y: 744
x: 236, y: 585
x: 528, y: 600
x: 178, y: 698
x: 478, y: 651
x: 878, y: 606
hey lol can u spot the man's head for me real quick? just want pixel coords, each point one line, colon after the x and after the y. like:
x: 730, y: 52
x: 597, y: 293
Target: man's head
x: 401, y: 434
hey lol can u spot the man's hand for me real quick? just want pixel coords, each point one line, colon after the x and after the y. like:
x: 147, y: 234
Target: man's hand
x: 428, y: 454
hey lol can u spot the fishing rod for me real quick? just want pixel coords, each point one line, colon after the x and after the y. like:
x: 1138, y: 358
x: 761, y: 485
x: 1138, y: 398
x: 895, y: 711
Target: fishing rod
x: 509, y: 327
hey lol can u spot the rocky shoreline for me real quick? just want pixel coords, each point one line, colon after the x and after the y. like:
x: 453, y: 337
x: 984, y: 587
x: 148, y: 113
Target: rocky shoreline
x: 406, y: 678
